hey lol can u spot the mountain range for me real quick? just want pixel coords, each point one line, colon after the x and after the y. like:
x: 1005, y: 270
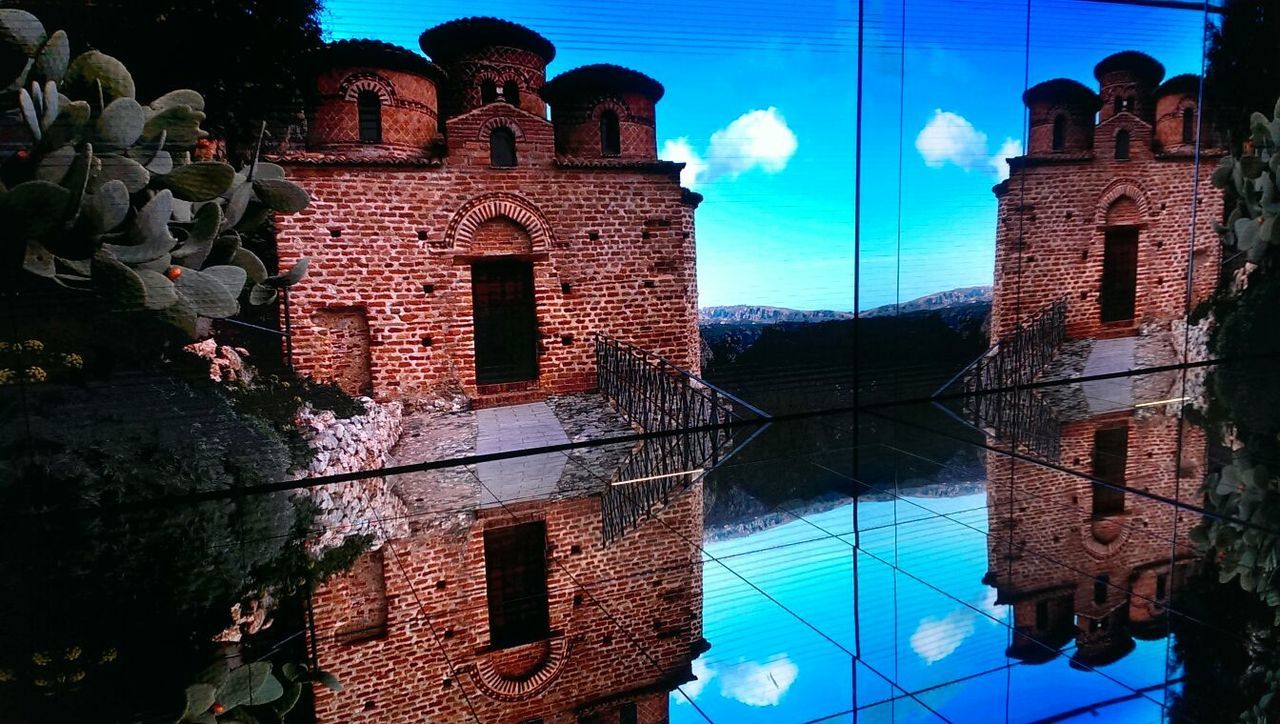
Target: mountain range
x: 757, y: 314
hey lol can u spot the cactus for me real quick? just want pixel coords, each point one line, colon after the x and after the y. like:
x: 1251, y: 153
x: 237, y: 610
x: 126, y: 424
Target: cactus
x: 1250, y: 181
x: 92, y: 154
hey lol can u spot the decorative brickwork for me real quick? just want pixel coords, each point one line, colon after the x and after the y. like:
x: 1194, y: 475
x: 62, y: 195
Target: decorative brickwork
x: 394, y: 229
x: 1059, y: 204
x: 626, y: 623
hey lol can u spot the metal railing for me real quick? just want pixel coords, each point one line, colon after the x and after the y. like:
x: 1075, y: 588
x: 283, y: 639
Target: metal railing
x: 989, y: 387
x: 661, y: 397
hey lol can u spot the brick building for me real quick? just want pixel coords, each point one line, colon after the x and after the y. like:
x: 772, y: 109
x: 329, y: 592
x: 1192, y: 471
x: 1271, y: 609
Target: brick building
x: 1109, y: 206
x: 462, y: 240
x: 471, y: 623
x: 1103, y: 224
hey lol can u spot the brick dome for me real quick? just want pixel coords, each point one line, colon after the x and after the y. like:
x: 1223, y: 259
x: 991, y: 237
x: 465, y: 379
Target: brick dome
x: 489, y: 60
x: 372, y: 99
x: 1061, y: 115
x: 1177, y: 122
x: 1127, y: 83
x: 604, y: 110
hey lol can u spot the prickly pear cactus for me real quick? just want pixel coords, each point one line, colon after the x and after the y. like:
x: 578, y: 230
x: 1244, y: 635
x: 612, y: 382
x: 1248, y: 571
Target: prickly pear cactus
x: 99, y: 193
x: 1251, y: 179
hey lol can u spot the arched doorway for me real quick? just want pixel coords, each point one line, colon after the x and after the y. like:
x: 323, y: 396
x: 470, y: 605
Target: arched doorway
x: 1119, y: 274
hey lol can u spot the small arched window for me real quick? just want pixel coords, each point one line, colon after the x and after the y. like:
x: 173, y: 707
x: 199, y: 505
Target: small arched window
x: 369, y: 110
x: 610, y: 134
x: 1122, y: 145
x: 488, y: 91
x: 502, y: 147
x: 1188, y: 125
x: 1059, y: 133
x: 511, y: 92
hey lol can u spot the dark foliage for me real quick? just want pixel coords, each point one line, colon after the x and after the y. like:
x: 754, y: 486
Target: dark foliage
x: 276, y: 398
x: 1243, y: 73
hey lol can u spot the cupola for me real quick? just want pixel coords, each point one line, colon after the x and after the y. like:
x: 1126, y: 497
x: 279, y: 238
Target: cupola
x: 604, y: 111
x: 489, y: 61
x: 1061, y: 115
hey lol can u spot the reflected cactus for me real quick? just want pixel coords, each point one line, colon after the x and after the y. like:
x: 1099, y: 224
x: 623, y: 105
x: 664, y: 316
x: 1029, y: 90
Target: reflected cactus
x: 103, y: 196
x: 1250, y: 180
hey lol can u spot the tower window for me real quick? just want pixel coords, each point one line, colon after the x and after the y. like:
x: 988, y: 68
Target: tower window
x: 1059, y: 132
x: 502, y: 147
x: 488, y: 91
x: 610, y: 135
x: 1110, y: 456
x: 515, y: 567
x: 1100, y: 585
x: 1122, y: 145
x: 369, y: 110
x: 511, y: 92
x: 1188, y: 125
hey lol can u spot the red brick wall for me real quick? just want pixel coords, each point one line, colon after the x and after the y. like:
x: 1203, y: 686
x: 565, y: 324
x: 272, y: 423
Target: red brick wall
x: 409, y: 111
x: 1051, y: 227
x: 1047, y: 515
x: 1079, y: 128
x: 631, y: 614
x: 1169, y: 110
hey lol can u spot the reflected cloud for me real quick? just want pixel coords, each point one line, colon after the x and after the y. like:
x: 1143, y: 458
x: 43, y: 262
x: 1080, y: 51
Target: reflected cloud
x: 694, y: 688
x: 937, y: 638
x: 759, y: 684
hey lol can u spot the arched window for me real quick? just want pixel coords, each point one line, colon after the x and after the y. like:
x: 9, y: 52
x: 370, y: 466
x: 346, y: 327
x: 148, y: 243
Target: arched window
x: 488, y: 91
x: 610, y: 135
x: 1188, y: 125
x: 369, y: 109
x: 502, y: 147
x: 1059, y: 132
x: 511, y: 92
x: 1122, y: 145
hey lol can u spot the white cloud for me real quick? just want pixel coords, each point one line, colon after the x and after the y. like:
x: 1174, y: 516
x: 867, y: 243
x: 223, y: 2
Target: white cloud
x: 692, y: 689
x: 937, y: 638
x: 759, y: 139
x: 681, y: 151
x: 949, y: 138
x: 759, y: 684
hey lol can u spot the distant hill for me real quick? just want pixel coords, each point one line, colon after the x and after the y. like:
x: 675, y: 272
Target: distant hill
x: 756, y: 314
x: 751, y: 314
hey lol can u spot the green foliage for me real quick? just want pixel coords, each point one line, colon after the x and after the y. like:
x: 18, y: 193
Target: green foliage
x: 1250, y: 180
x: 105, y: 198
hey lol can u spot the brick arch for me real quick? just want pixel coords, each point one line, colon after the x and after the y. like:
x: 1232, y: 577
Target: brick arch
x: 610, y: 104
x: 1123, y: 192
x: 496, y: 685
x: 499, y: 122
x: 462, y: 227
x: 353, y: 84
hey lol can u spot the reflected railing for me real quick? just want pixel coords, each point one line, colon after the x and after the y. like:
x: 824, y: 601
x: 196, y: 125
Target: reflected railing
x: 661, y: 397
x: 991, y: 388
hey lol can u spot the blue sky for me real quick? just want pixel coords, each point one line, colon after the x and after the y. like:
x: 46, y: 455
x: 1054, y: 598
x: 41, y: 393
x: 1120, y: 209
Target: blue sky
x: 764, y: 95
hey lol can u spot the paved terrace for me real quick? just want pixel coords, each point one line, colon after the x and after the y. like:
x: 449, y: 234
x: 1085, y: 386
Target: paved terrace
x: 1089, y: 357
x: 446, y: 497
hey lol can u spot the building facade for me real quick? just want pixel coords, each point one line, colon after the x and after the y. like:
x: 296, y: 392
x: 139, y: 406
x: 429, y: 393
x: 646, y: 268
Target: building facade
x: 460, y: 239
x: 1111, y: 204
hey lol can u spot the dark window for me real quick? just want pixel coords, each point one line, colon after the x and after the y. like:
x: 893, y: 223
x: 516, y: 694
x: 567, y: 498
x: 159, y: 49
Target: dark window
x: 1162, y: 586
x: 1188, y: 125
x: 515, y: 568
x: 488, y: 91
x: 1042, y: 615
x: 610, y: 135
x: 1059, y: 133
x: 511, y: 93
x: 1100, y: 589
x: 1110, y: 454
x: 502, y: 147
x: 627, y: 713
x: 369, y: 108
x: 1122, y: 145
x: 1119, y: 274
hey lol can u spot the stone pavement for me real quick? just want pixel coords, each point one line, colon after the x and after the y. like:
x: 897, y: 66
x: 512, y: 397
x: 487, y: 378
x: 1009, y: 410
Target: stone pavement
x: 519, y: 427
x: 1109, y: 356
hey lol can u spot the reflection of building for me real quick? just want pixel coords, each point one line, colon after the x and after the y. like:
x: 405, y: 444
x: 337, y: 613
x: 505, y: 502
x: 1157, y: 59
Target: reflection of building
x: 461, y: 239
x: 1083, y: 561
x: 1100, y: 212
x: 475, y: 622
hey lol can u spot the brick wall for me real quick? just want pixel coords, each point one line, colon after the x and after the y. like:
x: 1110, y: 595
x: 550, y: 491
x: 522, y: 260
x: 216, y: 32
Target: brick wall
x: 1046, y: 544
x: 1053, y: 215
x: 612, y: 251
x: 626, y: 622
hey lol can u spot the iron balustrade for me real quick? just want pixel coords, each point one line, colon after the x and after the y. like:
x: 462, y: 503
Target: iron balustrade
x: 658, y: 396
x: 990, y: 386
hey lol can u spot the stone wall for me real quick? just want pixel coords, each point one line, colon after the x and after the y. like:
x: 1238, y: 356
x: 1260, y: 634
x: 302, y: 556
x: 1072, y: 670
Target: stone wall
x: 349, y: 445
x: 626, y: 622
